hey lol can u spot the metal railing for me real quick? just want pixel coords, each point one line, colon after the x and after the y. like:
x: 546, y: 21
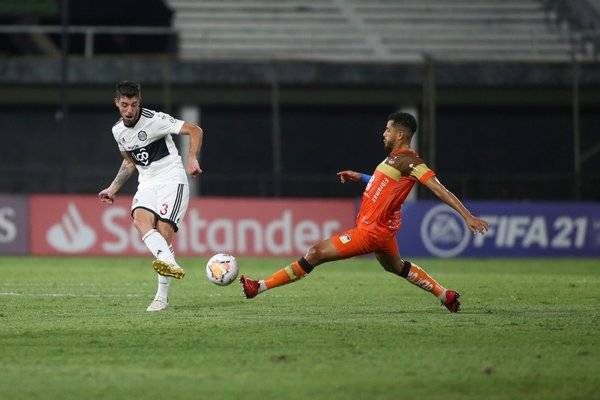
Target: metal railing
x: 89, y: 32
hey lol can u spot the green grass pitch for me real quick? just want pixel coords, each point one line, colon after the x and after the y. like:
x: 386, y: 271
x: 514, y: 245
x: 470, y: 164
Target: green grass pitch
x: 76, y: 328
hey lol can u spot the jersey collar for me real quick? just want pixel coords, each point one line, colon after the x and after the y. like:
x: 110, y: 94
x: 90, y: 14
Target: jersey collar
x: 398, y: 151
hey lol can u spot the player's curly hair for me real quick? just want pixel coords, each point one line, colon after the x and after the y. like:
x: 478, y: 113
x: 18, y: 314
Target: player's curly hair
x: 128, y: 89
x: 404, y: 120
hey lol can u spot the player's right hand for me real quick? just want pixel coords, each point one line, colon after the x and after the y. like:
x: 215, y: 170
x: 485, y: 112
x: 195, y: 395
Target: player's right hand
x: 348, y: 175
x: 106, y: 197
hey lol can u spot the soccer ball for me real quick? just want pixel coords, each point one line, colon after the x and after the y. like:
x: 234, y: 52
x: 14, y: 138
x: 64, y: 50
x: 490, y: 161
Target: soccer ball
x: 222, y: 269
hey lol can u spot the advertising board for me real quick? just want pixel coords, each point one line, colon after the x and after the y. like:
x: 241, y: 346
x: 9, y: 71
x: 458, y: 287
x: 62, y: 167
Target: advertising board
x: 14, y: 224
x: 82, y: 225
x: 540, y: 229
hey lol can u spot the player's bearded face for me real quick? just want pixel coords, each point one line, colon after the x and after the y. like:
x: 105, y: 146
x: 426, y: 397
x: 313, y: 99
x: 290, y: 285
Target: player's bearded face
x: 389, y: 136
x: 129, y: 108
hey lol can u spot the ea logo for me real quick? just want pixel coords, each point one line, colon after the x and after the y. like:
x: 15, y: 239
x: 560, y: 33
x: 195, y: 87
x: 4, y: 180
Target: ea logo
x: 443, y: 232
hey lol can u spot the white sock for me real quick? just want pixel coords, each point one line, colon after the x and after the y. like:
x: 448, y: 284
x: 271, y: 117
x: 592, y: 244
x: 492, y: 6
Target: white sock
x: 442, y: 297
x: 261, y: 286
x: 163, y: 286
x: 164, y: 281
x: 172, y: 250
x: 158, y: 246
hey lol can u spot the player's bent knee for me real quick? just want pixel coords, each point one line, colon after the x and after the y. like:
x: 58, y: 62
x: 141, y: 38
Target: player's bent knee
x: 312, y: 256
x: 142, y: 226
x: 389, y: 268
x: 316, y: 255
x: 322, y: 253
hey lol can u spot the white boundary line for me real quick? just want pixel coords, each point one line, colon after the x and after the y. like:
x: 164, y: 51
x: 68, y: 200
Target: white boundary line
x: 66, y: 295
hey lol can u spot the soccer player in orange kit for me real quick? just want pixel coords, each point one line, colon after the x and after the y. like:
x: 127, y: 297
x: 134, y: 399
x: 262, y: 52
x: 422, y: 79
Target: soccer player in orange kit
x: 379, y: 219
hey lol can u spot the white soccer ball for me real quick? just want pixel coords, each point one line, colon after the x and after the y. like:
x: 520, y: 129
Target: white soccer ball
x: 222, y: 269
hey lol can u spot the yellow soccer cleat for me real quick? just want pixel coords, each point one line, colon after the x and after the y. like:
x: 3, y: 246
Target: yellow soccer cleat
x: 167, y: 269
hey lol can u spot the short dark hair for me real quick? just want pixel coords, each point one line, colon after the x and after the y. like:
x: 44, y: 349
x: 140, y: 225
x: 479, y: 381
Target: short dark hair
x: 128, y: 89
x: 404, y: 120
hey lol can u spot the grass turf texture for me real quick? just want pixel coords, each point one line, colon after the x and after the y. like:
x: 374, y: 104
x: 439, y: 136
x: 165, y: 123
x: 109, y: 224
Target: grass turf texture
x: 74, y: 328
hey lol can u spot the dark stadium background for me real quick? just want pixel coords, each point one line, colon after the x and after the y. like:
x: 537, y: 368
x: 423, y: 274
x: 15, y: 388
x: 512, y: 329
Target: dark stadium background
x: 501, y: 127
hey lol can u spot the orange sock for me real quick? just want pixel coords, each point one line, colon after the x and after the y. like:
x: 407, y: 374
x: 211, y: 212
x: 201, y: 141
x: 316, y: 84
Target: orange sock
x: 291, y: 273
x: 418, y: 277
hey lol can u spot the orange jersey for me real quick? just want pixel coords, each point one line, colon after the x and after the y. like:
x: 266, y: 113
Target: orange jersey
x: 380, y: 209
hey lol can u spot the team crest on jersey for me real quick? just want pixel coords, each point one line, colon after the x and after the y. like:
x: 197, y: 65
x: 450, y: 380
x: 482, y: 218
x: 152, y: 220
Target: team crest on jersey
x: 345, y: 238
x: 142, y: 135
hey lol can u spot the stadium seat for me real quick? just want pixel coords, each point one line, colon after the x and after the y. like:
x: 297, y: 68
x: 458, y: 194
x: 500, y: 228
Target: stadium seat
x: 377, y: 30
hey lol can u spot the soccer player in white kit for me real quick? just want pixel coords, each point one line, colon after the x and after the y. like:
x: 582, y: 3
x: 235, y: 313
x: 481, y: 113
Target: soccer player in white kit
x: 161, y: 200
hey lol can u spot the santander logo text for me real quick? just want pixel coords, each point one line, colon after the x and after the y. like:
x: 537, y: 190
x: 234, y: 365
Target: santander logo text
x: 248, y: 227
x: 249, y: 236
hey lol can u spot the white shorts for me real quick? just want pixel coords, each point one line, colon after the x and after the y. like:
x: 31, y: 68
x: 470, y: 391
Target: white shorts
x: 168, y: 201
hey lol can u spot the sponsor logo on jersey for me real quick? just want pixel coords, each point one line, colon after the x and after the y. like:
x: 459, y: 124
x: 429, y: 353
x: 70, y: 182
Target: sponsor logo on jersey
x: 164, y: 116
x: 146, y: 155
x: 345, y: 238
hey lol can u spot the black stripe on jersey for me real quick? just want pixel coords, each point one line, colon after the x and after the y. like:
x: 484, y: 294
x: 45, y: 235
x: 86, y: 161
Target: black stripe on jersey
x: 147, y: 113
x: 146, y: 155
x: 177, y: 204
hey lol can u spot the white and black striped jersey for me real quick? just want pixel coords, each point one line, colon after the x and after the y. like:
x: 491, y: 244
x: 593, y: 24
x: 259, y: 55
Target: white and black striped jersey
x: 150, y: 145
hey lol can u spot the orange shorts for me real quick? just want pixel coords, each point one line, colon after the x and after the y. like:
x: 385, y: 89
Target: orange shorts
x: 358, y: 241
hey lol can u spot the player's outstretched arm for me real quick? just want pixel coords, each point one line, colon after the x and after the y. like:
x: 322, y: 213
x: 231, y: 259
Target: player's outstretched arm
x: 475, y: 225
x: 348, y: 175
x: 195, y: 133
x: 127, y: 168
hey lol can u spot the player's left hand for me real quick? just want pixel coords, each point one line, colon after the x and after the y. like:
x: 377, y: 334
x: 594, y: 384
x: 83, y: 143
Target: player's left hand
x: 477, y: 225
x: 193, y: 167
